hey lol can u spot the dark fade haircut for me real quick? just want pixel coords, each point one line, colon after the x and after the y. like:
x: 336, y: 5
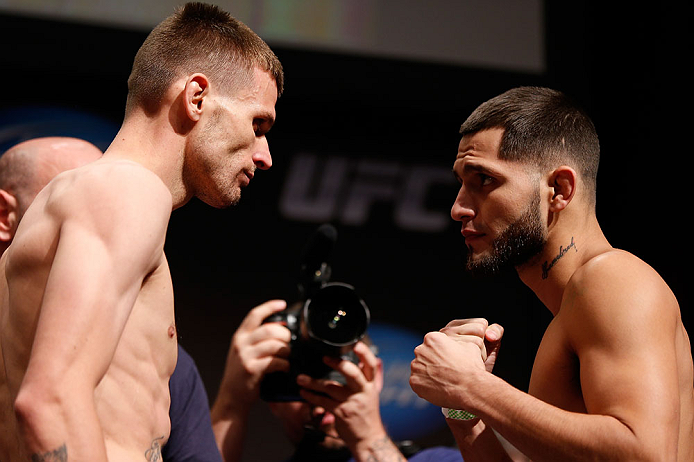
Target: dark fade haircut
x: 198, y: 37
x: 543, y: 128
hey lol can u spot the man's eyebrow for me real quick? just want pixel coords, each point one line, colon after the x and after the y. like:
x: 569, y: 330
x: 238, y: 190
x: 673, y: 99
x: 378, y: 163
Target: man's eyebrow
x: 470, y: 167
x: 478, y: 168
x: 473, y: 167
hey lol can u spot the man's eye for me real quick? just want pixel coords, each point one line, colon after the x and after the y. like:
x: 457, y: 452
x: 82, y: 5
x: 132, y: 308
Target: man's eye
x: 485, y: 180
x: 259, y: 127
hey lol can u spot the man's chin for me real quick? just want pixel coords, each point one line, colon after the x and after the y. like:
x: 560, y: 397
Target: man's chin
x: 333, y: 442
x: 327, y: 448
x: 330, y: 438
x: 221, y: 201
x: 482, y: 264
x: 226, y: 202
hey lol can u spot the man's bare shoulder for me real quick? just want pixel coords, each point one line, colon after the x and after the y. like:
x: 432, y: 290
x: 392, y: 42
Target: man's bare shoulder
x: 120, y: 203
x: 111, y: 177
x: 618, y: 271
x: 104, y: 190
x: 618, y: 287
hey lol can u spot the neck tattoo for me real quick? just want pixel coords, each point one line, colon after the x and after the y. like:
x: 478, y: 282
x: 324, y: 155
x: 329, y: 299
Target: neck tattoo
x: 562, y: 251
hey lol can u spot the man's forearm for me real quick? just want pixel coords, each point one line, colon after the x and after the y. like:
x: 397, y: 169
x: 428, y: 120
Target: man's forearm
x: 380, y: 450
x: 229, y: 423
x: 57, y: 455
x: 52, y: 432
x: 477, y: 442
x: 542, y: 431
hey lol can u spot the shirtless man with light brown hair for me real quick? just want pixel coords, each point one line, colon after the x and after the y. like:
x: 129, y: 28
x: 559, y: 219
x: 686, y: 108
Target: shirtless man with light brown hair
x: 86, y: 299
x: 613, y: 377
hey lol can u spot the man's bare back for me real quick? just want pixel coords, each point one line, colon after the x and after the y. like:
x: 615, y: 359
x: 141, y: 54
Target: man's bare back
x: 593, y: 308
x: 88, y: 278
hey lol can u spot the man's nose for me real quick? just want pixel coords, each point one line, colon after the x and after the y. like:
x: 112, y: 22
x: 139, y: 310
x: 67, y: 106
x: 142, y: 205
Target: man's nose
x: 462, y: 209
x: 317, y: 411
x: 261, y: 157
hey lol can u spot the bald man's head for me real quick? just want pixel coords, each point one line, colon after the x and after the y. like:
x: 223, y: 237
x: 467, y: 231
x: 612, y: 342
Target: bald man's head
x: 29, y: 166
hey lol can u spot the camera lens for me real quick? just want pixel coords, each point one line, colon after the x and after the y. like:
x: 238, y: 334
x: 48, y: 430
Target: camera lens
x: 336, y: 315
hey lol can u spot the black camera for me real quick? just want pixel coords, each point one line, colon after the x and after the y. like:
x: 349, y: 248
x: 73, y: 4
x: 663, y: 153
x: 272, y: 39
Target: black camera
x: 329, y: 322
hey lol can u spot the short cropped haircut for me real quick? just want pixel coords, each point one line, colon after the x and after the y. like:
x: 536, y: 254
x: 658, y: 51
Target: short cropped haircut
x: 17, y: 173
x: 543, y: 128
x: 198, y: 38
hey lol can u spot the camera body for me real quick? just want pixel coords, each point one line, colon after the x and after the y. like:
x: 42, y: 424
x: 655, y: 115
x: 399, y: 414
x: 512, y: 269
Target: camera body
x: 329, y: 323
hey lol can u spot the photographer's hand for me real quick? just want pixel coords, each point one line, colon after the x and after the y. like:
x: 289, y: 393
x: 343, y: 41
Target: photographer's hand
x: 256, y: 349
x: 355, y: 405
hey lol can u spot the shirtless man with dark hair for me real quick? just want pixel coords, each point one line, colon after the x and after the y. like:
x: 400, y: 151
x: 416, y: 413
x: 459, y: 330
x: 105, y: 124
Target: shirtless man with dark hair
x: 613, y: 377
x: 86, y: 299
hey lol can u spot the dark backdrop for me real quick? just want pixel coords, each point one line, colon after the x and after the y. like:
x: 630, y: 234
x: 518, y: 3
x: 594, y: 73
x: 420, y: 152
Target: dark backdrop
x: 388, y: 121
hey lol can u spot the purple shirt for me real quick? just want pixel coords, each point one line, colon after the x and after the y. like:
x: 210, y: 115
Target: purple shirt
x: 192, y: 439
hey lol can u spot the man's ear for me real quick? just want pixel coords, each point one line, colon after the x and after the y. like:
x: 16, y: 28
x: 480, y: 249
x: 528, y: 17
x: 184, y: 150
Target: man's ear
x: 8, y: 216
x: 195, y: 93
x: 563, y: 181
